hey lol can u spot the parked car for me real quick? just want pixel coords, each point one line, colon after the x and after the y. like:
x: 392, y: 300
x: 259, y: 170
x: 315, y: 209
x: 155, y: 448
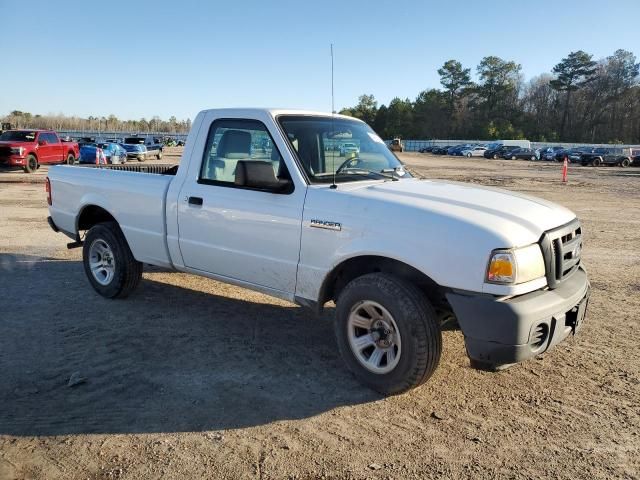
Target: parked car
x: 397, y: 254
x: 607, y: 156
x: 112, y: 153
x: 498, y: 151
x: 520, y: 153
x: 28, y: 149
x: 573, y: 155
x: 457, y: 150
x: 135, y: 148
x: 347, y: 148
x: 549, y: 153
x: 474, y: 151
x: 441, y: 150
x: 428, y: 149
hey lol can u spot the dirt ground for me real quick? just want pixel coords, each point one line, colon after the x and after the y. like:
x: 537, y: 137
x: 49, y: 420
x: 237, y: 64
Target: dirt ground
x: 190, y: 378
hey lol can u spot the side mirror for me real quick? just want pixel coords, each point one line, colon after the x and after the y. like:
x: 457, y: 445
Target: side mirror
x: 260, y: 175
x: 42, y: 142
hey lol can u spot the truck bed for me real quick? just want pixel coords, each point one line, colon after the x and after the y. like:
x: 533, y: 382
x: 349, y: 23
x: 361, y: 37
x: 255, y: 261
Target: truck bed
x: 135, y: 195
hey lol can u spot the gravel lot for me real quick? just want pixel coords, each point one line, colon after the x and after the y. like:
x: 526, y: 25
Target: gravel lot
x: 190, y: 378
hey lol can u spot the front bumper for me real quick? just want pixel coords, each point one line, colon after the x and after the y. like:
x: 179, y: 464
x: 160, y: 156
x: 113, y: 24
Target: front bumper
x: 13, y: 161
x: 510, y: 331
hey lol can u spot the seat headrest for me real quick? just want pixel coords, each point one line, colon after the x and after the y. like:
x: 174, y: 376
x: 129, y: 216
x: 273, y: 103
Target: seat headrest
x: 234, y: 144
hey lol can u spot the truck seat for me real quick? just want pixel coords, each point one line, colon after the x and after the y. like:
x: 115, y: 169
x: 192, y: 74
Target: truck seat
x: 233, y: 146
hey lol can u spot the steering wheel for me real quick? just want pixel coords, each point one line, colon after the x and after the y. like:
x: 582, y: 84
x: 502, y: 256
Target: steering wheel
x: 349, y: 163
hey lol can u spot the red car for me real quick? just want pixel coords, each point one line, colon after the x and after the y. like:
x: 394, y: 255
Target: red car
x: 31, y: 148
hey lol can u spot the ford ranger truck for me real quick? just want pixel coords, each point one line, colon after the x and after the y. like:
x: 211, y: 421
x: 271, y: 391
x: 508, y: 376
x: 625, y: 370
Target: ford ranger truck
x: 28, y: 149
x: 398, y: 255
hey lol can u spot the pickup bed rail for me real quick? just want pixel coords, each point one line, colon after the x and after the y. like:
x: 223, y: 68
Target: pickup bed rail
x: 158, y: 169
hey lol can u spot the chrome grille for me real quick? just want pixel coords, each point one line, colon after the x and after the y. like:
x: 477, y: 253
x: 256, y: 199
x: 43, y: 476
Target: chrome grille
x: 562, y: 251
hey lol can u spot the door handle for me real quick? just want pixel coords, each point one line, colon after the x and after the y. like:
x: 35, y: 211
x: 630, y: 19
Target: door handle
x: 195, y: 200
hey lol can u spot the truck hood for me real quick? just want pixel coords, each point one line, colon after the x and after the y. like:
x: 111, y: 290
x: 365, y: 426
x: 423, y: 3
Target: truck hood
x: 11, y: 143
x: 517, y: 218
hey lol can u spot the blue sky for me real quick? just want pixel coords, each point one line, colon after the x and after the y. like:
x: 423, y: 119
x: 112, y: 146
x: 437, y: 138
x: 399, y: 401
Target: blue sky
x: 141, y: 58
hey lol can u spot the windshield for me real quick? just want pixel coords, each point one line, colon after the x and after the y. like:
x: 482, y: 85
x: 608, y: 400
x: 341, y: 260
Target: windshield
x: 321, y: 144
x: 18, y: 136
x: 134, y: 141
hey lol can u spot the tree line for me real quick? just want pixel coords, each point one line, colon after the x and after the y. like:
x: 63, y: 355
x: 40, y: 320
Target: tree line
x: 581, y: 100
x: 19, y: 119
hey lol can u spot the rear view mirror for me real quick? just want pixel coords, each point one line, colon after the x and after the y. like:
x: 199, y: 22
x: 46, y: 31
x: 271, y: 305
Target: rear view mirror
x: 261, y: 176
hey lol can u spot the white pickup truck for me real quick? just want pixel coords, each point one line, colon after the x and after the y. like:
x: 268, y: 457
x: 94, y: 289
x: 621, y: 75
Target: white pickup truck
x: 258, y: 201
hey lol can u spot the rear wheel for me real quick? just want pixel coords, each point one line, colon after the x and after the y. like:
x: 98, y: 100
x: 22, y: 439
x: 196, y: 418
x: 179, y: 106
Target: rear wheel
x: 32, y: 164
x: 533, y: 157
x: 159, y: 156
x: 596, y: 162
x: 142, y: 158
x: 108, y: 262
x: 388, y: 333
x: 71, y: 159
x: 495, y: 157
x: 513, y: 157
x: 468, y: 155
x: 625, y: 163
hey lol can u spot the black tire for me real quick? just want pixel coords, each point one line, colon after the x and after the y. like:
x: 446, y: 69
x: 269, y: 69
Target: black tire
x: 32, y: 164
x: 513, y: 157
x: 468, y: 155
x: 533, y: 158
x: 596, y: 162
x: 417, y: 324
x: 495, y: 157
x: 142, y: 158
x: 625, y: 163
x: 71, y: 159
x: 127, y: 272
x: 159, y: 156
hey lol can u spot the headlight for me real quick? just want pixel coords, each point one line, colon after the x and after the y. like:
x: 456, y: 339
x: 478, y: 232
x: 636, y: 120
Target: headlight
x: 518, y: 265
x: 17, y: 150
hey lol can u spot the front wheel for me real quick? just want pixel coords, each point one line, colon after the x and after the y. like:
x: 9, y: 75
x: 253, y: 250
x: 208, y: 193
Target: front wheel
x: 142, y: 158
x: 159, y: 156
x: 495, y: 157
x: 112, y: 270
x: 533, y: 158
x: 388, y: 333
x: 625, y: 163
x: 596, y: 162
x: 71, y: 159
x: 468, y: 155
x: 31, y: 165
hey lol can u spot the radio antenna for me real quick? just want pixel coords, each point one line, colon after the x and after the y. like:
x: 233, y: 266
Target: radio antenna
x: 333, y: 112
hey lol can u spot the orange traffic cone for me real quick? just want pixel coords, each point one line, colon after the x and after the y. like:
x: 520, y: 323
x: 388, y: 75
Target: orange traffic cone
x: 565, y: 166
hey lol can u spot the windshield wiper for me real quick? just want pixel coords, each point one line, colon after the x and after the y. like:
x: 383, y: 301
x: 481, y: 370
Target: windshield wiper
x: 386, y: 173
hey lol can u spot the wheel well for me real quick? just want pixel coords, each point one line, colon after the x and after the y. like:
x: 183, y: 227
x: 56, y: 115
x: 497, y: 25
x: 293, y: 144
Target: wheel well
x: 358, y: 266
x: 92, y: 215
